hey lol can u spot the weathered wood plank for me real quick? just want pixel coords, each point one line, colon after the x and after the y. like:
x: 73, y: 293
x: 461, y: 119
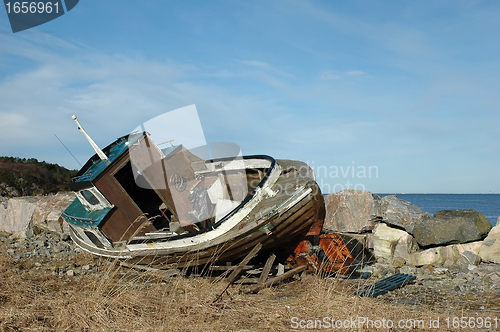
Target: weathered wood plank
x: 237, y: 271
x: 267, y: 268
x: 275, y: 280
x: 229, y: 268
x: 245, y: 261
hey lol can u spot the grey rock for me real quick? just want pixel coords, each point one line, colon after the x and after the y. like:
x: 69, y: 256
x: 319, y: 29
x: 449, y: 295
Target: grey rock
x: 408, y: 270
x: 48, y: 210
x: 359, y: 245
x: 45, y: 252
x: 470, y: 258
x: 381, y: 270
x: 403, y: 214
x: 494, y: 277
x: 29, y: 233
x: 352, y: 211
x: 490, y: 249
x: 398, y: 262
x: 440, y: 270
x: 450, y: 227
x: 20, y: 214
x: 16, y: 215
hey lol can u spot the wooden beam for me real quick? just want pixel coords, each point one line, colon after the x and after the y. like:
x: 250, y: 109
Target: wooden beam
x: 237, y: 271
x: 267, y: 268
x: 275, y: 280
x: 244, y: 262
x: 230, y: 267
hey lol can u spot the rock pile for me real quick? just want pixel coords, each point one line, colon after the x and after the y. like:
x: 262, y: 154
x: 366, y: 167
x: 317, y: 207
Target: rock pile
x: 21, y: 214
x: 400, y: 233
x: 46, y: 253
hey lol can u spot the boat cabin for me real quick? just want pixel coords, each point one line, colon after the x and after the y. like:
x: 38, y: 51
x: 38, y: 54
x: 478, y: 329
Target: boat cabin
x: 140, y: 192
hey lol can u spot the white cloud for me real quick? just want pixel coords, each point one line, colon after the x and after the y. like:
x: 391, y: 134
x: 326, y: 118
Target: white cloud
x: 111, y: 96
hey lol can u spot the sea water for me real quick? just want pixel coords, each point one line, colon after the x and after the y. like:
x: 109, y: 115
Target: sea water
x: 487, y: 204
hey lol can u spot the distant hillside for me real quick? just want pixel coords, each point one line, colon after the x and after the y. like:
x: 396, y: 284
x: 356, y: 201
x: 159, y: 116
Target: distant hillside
x: 30, y: 177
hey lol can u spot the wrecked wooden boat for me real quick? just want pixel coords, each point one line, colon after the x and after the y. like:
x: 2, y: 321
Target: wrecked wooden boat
x: 158, y: 206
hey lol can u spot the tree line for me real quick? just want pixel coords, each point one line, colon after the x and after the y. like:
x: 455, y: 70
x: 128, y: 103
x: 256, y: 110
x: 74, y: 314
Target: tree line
x: 28, y: 176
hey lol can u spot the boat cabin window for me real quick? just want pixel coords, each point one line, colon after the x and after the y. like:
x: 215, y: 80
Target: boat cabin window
x: 89, y: 197
x: 92, y: 199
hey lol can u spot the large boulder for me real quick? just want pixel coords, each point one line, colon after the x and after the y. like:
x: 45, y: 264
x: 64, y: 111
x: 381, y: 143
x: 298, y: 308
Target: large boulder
x: 391, y: 243
x: 402, y: 214
x: 19, y: 214
x: 352, y: 211
x: 16, y: 213
x: 490, y: 249
x: 48, y: 210
x: 449, y: 255
x: 451, y: 226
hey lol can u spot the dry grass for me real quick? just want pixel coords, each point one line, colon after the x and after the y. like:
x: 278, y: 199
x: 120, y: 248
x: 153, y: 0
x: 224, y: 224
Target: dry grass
x: 126, y: 300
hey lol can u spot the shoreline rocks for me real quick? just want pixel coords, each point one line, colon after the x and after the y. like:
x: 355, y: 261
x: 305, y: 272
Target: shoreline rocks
x: 402, y: 214
x: 392, y: 243
x: 450, y: 227
x: 402, y: 234
x: 352, y: 211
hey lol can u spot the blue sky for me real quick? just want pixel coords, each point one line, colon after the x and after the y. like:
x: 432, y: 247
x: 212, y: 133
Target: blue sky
x: 407, y: 88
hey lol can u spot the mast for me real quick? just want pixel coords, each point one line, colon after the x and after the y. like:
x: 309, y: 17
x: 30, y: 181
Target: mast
x: 91, y: 141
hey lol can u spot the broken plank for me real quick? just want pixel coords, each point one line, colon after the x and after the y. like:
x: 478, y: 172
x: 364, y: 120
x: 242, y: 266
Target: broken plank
x: 237, y: 271
x: 275, y: 280
x: 230, y: 267
x: 244, y: 262
x: 267, y: 268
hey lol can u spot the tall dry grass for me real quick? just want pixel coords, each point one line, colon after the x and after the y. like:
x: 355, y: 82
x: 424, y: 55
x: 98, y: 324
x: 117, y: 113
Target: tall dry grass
x: 127, y: 300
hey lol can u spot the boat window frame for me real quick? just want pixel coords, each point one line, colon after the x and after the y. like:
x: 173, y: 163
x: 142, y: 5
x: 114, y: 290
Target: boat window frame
x: 102, y: 203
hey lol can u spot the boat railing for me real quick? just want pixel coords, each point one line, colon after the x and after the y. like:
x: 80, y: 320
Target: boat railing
x: 76, y: 218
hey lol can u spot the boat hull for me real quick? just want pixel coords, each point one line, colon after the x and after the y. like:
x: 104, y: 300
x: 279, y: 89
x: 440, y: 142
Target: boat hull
x: 278, y: 217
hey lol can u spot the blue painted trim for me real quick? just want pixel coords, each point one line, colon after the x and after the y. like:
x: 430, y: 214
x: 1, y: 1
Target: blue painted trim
x: 95, y: 166
x: 77, y: 215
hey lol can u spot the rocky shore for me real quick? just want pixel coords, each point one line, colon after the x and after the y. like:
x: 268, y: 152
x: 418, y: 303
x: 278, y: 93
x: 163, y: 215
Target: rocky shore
x: 454, y: 254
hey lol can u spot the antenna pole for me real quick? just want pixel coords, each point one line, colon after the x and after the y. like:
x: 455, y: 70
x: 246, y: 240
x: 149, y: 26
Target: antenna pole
x: 68, y: 150
x: 91, y: 141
